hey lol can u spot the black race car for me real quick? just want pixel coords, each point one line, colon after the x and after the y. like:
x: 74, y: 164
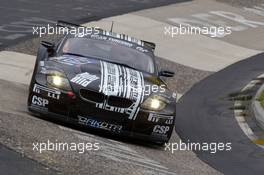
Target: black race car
x: 103, y: 80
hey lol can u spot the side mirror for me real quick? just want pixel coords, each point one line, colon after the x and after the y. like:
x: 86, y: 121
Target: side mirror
x: 166, y: 73
x: 49, y: 46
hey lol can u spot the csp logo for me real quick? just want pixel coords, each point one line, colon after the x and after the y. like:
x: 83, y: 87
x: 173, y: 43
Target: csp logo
x: 39, y: 101
x: 161, y: 129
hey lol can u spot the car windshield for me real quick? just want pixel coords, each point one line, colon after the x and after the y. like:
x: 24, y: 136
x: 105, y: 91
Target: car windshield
x: 109, y: 51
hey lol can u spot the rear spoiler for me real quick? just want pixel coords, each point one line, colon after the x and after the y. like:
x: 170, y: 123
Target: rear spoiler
x: 151, y: 45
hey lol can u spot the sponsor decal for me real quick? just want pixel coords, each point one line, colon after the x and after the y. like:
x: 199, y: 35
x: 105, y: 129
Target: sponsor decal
x: 84, y: 79
x: 52, y: 93
x: 141, y: 49
x: 72, y: 60
x: 157, y: 118
x: 39, y: 101
x: 124, y: 37
x: 122, y: 82
x: 169, y: 121
x: 114, y: 40
x: 99, y: 124
x: 99, y: 37
x: 121, y: 42
x: 153, y: 118
x: 126, y: 41
x: 161, y: 129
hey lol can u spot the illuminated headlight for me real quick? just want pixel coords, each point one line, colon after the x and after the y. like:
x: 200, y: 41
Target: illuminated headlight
x: 154, y: 103
x: 58, y: 81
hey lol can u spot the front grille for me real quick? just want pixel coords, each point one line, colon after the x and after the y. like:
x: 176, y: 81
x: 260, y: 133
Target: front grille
x: 92, y: 96
x: 97, y: 97
x: 119, y: 102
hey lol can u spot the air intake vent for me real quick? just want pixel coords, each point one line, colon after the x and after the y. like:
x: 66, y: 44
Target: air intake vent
x: 119, y: 102
x: 92, y: 96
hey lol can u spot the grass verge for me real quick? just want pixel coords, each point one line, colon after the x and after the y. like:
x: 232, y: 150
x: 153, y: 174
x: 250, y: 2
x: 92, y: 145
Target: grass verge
x: 261, y: 99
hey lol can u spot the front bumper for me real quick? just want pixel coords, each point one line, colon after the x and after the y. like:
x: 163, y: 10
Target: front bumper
x: 148, y: 126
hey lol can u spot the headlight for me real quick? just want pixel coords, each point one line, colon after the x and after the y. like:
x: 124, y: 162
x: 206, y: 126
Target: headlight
x: 154, y: 103
x: 58, y: 81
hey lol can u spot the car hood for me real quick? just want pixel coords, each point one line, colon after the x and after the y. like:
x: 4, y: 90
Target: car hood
x: 107, y: 78
x: 111, y: 86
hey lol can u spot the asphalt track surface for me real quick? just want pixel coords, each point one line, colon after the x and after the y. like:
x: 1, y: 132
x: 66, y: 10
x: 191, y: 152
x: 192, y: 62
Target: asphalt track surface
x: 19, y: 16
x: 17, y: 19
x: 11, y: 159
x: 204, y: 111
x: 209, y: 120
x: 19, y: 130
